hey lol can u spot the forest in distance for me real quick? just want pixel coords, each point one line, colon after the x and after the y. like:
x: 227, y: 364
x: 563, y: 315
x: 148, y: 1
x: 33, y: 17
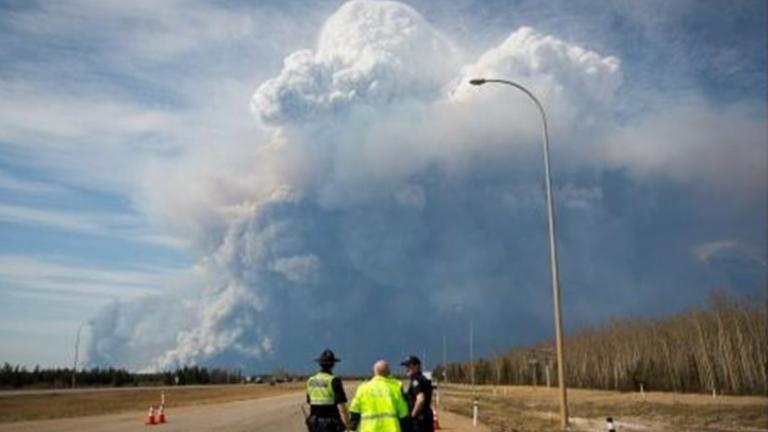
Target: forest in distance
x: 722, y: 348
x: 20, y: 377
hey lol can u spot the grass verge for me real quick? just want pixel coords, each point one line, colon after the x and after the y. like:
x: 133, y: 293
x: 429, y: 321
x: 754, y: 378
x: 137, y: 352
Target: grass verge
x: 524, y: 409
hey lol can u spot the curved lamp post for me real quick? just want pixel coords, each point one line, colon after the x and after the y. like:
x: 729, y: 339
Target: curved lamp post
x: 77, y: 352
x: 552, y: 245
x: 460, y: 307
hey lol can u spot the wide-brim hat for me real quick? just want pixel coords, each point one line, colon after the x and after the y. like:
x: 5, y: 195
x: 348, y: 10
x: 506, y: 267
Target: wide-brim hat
x: 327, y: 357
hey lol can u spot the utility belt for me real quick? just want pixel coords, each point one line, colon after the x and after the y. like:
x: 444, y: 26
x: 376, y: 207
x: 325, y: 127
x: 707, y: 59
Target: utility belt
x: 426, y: 415
x: 324, y: 417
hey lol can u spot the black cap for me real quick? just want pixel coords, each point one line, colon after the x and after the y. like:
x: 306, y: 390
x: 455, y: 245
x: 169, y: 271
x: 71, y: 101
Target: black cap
x: 410, y: 361
x: 327, y: 358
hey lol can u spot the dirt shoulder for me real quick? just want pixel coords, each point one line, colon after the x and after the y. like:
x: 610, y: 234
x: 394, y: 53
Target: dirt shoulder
x: 517, y: 408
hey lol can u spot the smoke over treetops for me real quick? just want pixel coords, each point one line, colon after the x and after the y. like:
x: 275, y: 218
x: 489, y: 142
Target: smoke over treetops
x: 381, y: 188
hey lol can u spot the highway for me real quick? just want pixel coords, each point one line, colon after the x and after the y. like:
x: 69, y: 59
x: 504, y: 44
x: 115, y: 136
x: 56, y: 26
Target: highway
x: 273, y: 414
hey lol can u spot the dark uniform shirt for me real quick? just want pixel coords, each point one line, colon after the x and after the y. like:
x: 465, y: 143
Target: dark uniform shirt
x: 420, y: 384
x: 330, y: 410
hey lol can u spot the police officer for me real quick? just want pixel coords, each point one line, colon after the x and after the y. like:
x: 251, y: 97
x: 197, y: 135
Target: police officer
x: 326, y: 397
x: 378, y: 405
x: 419, y: 395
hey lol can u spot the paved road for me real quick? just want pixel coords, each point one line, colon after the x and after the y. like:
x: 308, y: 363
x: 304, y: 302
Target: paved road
x: 274, y: 414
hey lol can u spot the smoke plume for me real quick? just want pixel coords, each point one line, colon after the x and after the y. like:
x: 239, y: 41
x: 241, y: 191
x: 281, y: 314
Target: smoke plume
x: 384, y: 200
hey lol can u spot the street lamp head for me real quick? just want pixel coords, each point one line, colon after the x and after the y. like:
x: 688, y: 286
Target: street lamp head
x: 478, y: 81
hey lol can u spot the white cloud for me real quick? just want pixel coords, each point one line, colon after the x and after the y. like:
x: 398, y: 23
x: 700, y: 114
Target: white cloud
x: 128, y: 227
x: 125, y: 86
x: 712, y: 251
x: 145, y: 30
x: 58, y: 277
x: 87, y: 223
x: 369, y: 52
x: 17, y: 184
x: 694, y: 143
x: 554, y: 68
x: 395, y: 136
x: 59, y: 119
x: 705, y: 251
x: 578, y: 197
x: 34, y: 326
x: 93, y: 139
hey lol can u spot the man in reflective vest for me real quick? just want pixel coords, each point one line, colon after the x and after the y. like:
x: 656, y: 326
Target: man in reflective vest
x: 378, y: 405
x: 326, y: 398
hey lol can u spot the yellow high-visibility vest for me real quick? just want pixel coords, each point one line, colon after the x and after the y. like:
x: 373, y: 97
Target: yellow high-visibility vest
x: 396, y: 384
x: 380, y: 404
x: 320, y: 390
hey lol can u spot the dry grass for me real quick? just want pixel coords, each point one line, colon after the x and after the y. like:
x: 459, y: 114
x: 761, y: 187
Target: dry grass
x: 74, y: 404
x: 518, y: 408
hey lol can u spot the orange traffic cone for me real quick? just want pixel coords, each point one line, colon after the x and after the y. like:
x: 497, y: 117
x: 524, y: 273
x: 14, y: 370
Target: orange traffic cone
x: 436, y: 421
x: 151, y: 416
x: 161, y: 414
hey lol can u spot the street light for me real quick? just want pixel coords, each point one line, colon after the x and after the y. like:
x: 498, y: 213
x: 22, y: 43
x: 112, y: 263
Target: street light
x: 445, y: 360
x: 77, y: 352
x: 472, y: 353
x: 552, y: 245
x: 460, y: 307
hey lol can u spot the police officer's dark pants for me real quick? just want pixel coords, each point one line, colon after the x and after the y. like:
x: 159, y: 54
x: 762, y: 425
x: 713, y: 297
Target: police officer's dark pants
x: 324, y: 424
x: 423, y: 424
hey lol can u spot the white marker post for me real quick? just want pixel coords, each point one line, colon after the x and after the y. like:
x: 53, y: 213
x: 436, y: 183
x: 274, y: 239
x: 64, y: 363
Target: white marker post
x: 474, y: 413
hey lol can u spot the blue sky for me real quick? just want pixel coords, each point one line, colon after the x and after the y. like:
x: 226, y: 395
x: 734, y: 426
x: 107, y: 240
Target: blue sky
x: 140, y: 193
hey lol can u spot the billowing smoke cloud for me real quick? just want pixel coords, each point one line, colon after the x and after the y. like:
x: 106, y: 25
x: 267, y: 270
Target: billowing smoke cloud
x: 382, y: 189
x: 367, y: 53
x: 555, y: 66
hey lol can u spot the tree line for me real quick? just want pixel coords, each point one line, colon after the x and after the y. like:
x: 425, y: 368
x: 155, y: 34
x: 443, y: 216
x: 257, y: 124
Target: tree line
x: 721, y: 348
x: 15, y: 377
